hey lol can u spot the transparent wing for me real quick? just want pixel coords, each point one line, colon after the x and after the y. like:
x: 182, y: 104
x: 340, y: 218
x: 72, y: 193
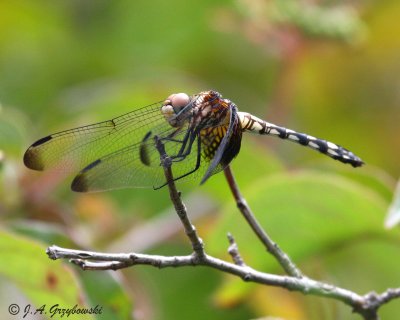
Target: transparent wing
x: 74, y: 149
x: 139, y: 165
x: 121, y: 152
x: 124, y: 168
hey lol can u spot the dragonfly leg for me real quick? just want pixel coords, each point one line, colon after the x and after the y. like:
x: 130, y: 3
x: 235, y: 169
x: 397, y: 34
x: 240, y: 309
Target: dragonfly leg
x: 184, y: 153
x: 144, y: 152
x: 186, y: 147
x: 197, y: 166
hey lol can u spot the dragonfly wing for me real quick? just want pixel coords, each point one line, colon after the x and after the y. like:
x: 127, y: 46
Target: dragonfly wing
x: 139, y: 165
x: 124, y: 168
x: 71, y: 150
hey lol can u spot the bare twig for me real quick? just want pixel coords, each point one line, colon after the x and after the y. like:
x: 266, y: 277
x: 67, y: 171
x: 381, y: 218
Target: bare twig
x: 233, y: 250
x: 373, y: 301
x: 269, y: 244
x: 367, y: 306
x: 190, y: 230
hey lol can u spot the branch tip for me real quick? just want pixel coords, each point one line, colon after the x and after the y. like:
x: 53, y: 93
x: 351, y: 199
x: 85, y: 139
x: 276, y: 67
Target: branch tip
x: 233, y: 251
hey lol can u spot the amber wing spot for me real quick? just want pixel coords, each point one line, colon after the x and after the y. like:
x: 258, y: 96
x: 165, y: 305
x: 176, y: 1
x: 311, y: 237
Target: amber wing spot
x: 79, y: 184
x: 144, y: 152
x: 32, y: 156
x: 51, y: 280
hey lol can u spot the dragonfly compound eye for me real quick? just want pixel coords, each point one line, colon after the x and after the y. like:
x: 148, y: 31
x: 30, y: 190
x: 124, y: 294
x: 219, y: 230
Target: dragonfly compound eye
x: 179, y: 101
x: 173, y: 105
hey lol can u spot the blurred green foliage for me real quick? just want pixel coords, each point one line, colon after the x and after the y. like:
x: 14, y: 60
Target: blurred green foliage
x: 328, y: 68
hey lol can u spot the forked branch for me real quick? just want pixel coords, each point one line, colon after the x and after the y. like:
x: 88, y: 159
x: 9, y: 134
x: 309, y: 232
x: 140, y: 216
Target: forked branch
x: 283, y: 259
x: 367, y: 306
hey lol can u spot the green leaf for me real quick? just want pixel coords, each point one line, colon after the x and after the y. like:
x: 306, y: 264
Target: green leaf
x: 105, y: 290
x: 44, y: 282
x: 372, y: 177
x: 379, y: 271
x: 44, y: 232
x: 305, y: 213
x: 393, y: 215
x: 264, y: 164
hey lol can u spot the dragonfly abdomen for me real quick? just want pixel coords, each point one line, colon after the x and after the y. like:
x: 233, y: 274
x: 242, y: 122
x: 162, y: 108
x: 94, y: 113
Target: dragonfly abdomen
x: 256, y: 125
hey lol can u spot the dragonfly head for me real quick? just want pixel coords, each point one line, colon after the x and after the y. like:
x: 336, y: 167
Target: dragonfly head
x: 172, y: 106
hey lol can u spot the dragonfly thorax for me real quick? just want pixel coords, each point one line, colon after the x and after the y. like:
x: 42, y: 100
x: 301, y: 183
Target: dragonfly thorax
x: 210, y: 110
x: 206, y: 109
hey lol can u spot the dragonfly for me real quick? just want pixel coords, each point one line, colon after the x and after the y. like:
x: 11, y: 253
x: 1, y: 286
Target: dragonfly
x: 201, y: 133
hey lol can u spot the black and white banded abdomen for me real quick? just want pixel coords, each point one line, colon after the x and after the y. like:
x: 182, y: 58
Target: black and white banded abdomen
x: 258, y: 126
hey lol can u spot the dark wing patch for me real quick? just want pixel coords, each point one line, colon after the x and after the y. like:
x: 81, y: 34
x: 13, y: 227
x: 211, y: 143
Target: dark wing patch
x: 32, y: 158
x: 144, y: 151
x: 71, y: 150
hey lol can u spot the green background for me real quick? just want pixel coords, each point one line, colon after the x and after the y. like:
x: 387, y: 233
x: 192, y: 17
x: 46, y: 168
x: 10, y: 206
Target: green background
x: 330, y: 69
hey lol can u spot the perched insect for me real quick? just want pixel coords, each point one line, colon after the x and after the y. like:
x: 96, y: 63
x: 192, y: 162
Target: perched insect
x: 201, y: 134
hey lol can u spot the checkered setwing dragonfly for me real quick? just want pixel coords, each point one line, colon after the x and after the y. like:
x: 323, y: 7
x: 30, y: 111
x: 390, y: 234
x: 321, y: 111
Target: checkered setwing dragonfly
x: 201, y: 133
